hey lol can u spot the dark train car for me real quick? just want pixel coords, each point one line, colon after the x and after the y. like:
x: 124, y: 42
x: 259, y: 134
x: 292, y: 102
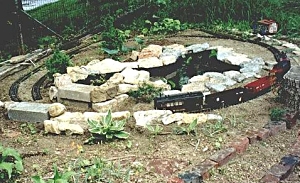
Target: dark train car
x: 260, y: 86
x: 225, y: 98
x: 182, y: 102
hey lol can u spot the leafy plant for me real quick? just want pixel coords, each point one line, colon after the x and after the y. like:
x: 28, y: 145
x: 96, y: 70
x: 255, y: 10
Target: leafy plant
x: 107, y: 128
x: 155, y: 130
x: 213, y: 53
x: 10, y: 163
x: 48, y: 42
x: 145, y: 93
x: 59, y: 177
x: 113, y: 40
x: 166, y: 26
x: 190, y: 129
x: 58, y: 63
x: 276, y: 114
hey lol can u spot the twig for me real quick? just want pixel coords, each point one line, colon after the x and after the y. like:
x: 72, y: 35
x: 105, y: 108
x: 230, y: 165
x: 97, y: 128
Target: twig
x: 198, y: 142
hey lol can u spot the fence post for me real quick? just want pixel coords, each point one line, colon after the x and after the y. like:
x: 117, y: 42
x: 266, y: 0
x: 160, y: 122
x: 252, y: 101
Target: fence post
x: 18, y: 4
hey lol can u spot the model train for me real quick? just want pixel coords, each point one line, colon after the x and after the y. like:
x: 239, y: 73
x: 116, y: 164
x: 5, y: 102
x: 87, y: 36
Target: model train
x: 197, y: 101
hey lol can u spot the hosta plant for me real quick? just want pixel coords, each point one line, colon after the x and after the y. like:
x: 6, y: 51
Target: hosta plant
x: 10, y: 163
x: 107, y: 128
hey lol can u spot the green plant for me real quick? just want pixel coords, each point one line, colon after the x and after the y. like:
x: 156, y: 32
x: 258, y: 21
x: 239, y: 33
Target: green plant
x: 108, y: 128
x: 113, y: 40
x: 58, y: 63
x: 166, y: 26
x: 59, y: 177
x: 190, y: 129
x: 11, y: 163
x: 276, y: 114
x: 145, y: 93
x: 48, y: 42
x: 154, y: 130
x: 213, y: 53
x: 214, y: 128
x: 28, y: 128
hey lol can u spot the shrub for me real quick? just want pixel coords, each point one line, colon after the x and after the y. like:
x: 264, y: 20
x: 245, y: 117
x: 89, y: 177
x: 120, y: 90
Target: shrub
x: 166, y: 26
x: 276, y: 114
x: 58, y: 63
x: 10, y: 163
x: 145, y: 93
x: 107, y: 128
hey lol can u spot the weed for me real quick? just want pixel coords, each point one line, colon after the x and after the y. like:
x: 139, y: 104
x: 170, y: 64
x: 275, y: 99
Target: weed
x: 214, y: 128
x: 48, y: 42
x: 62, y: 177
x: 213, y: 53
x: 28, y: 128
x: 107, y: 128
x: 58, y: 63
x: 154, y: 130
x: 145, y: 93
x: 276, y: 114
x: 11, y: 164
x: 190, y: 129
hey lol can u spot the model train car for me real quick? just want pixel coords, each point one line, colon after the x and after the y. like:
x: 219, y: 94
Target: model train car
x: 196, y: 101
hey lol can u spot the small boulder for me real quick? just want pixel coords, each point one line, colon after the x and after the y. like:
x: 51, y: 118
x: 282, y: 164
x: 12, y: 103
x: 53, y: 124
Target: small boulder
x: 56, y: 109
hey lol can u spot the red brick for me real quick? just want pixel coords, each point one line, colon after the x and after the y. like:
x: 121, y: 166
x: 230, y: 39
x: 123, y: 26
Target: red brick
x: 268, y: 178
x: 175, y: 180
x: 275, y: 127
x: 295, y: 150
x: 204, y: 168
x: 252, y: 136
x: 240, y: 144
x: 263, y: 134
x: 223, y: 156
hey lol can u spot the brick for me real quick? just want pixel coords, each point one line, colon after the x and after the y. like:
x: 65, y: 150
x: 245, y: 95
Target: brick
x: 252, y: 136
x: 280, y: 171
x: 175, y: 180
x: 191, y: 177
x: 29, y: 112
x: 204, y: 168
x: 275, y: 127
x: 241, y: 144
x: 223, y: 156
x: 268, y: 178
x: 263, y: 134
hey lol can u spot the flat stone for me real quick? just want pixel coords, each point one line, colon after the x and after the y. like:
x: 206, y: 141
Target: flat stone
x: 77, y: 92
x: 29, y: 112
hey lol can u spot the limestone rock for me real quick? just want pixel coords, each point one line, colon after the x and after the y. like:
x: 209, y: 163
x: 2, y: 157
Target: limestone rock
x: 105, y: 106
x: 53, y: 93
x: 132, y: 76
x: 104, y: 92
x: 51, y: 127
x: 214, y: 117
x: 169, y: 59
x: 134, y: 55
x: 125, y: 88
x: 105, y: 66
x: 150, y: 62
x: 62, y: 80
x: 151, y: 51
x: 144, y: 118
x: 176, y: 117
x: 77, y: 73
x: 195, y: 48
x: 98, y: 116
x: 72, y: 118
x: 117, y: 78
x: 71, y: 128
x: 56, y: 109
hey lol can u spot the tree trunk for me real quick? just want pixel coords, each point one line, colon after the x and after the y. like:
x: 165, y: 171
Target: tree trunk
x: 290, y: 89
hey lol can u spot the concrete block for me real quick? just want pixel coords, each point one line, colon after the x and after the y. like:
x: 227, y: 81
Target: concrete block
x: 77, y: 92
x: 29, y: 112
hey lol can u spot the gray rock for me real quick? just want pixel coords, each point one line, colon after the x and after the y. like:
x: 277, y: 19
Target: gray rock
x: 77, y: 92
x: 28, y: 112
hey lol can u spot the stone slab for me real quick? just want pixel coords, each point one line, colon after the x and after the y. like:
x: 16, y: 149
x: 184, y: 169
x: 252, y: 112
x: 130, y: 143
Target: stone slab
x: 29, y: 112
x: 78, y: 104
x: 77, y: 92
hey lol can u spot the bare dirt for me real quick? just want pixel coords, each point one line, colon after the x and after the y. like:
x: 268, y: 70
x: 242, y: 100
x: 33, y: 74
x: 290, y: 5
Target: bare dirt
x: 178, y: 152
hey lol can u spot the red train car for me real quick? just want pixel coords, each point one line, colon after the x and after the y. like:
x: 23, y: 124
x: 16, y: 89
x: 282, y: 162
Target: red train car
x: 261, y: 85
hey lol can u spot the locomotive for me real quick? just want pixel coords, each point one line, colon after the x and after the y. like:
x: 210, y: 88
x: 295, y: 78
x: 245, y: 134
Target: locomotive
x: 197, y: 101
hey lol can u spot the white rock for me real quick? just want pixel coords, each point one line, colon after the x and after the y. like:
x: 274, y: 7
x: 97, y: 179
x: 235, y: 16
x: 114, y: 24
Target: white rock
x: 150, y: 62
x: 190, y: 117
x: 105, y: 106
x: 62, y: 79
x: 214, y: 117
x: 197, y: 47
x: 51, y: 127
x: 1, y: 104
x: 73, y: 128
x: 105, y: 66
x: 171, y: 92
x: 77, y: 73
x: 132, y: 76
x: 72, y: 118
x: 125, y: 88
x: 144, y: 118
x: 96, y: 116
x: 176, y: 117
x: 134, y: 55
x: 169, y: 59
x: 199, y: 78
x: 151, y: 51
x: 53, y: 93
x: 215, y: 87
x: 117, y: 78
x: 56, y: 109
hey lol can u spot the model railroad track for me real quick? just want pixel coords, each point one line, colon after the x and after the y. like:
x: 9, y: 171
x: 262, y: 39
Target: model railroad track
x: 197, y: 102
